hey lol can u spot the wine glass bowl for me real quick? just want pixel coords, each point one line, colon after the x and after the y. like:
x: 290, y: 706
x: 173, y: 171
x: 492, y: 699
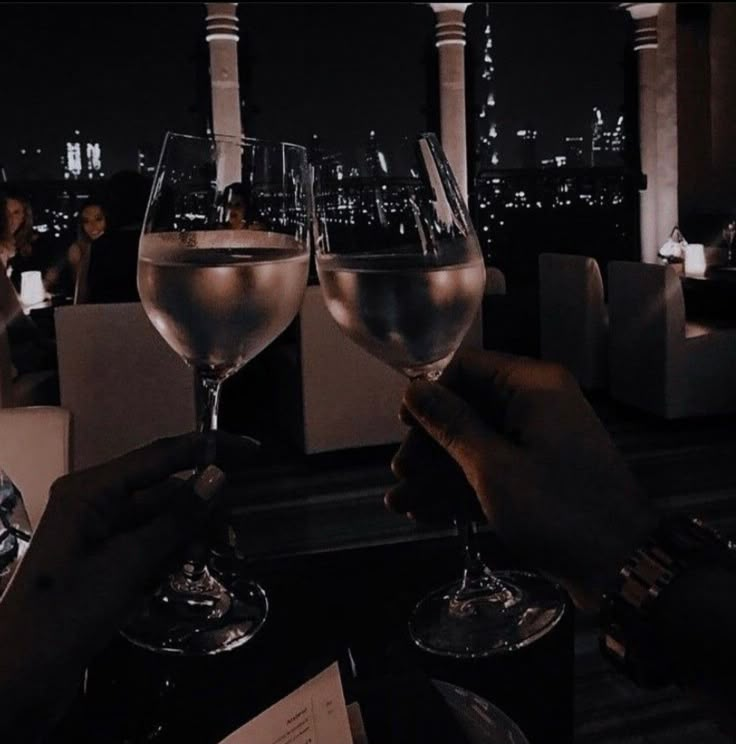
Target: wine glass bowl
x: 222, y: 268
x: 403, y: 275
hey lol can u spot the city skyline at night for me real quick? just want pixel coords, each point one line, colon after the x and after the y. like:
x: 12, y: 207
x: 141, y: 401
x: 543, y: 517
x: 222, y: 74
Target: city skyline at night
x: 336, y: 70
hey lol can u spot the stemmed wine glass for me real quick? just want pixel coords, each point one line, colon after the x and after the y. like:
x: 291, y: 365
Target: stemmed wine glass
x: 403, y: 276
x: 222, y: 268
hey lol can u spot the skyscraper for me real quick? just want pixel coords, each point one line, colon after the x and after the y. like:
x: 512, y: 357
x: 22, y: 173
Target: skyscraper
x: 574, y: 152
x: 528, y: 147
x: 375, y: 160
x: 607, y: 145
x: 486, y: 146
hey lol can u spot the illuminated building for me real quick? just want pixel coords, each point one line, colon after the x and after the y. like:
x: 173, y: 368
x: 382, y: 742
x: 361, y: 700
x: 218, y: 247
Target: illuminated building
x: 82, y: 160
x: 607, y: 145
x: 575, y: 152
x: 528, y: 147
x: 486, y: 146
x: 375, y: 160
x: 146, y: 164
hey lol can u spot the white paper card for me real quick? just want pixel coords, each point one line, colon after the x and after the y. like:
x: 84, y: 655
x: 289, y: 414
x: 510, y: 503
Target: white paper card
x: 315, y: 713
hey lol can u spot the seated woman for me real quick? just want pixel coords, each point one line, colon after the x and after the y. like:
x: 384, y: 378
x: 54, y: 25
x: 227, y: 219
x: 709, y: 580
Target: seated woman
x: 30, y: 351
x: 113, y: 257
x: 24, y: 248
x: 91, y: 224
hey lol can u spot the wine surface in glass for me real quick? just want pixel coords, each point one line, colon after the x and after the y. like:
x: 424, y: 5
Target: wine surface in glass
x: 219, y: 307
x: 411, y: 311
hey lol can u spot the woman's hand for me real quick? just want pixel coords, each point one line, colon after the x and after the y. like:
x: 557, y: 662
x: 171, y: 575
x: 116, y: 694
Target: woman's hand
x: 106, y: 538
x: 543, y: 469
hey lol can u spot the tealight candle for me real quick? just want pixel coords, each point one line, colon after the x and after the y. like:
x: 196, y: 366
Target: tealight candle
x: 31, y: 288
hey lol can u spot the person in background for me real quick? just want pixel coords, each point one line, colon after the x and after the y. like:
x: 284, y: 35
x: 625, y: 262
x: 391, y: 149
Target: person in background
x: 112, y: 273
x: 239, y: 211
x: 91, y: 224
x: 30, y: 351
x: 517, y: 440
x: 728, y: 242
x: 19, y: 239
x: 7, y: 245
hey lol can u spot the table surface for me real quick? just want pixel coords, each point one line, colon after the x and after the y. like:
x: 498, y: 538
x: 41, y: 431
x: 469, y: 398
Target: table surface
x: 321, y: 606
x: 710, y: 298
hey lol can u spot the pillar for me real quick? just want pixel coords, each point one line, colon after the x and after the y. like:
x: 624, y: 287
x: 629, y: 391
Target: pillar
x: 645, y: 44
x: 222, y: 37
x: 668, y: 167
x: 451, y: 50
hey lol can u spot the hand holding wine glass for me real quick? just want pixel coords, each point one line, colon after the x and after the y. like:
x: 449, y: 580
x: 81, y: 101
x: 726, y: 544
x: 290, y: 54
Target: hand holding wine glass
x: 518, y: 437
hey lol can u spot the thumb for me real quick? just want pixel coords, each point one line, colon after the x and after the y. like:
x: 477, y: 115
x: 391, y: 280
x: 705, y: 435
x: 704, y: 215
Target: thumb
x: 456, y: 427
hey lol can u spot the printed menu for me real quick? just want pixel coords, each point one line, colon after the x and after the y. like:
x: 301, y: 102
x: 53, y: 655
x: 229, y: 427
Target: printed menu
x: 314, y: 713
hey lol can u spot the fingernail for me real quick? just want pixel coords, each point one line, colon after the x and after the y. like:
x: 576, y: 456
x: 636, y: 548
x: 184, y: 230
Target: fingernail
x: 207, y: 484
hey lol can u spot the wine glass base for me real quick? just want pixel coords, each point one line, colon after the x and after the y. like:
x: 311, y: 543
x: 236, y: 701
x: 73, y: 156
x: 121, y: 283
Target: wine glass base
x: 162, y: 627
x: 527, y: 608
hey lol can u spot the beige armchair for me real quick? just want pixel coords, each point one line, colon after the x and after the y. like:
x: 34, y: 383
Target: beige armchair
x: 573, y: 318
x: 34, y: 452
x: 660, y: 362
x: 348, y: 397
x: 121, y: 381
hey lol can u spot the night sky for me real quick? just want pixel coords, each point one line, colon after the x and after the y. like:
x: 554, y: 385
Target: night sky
x: 125, y: 73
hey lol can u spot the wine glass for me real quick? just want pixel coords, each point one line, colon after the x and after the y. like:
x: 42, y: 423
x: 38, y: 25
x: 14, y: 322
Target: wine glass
x: 222, y: 268
x: 403, y: 276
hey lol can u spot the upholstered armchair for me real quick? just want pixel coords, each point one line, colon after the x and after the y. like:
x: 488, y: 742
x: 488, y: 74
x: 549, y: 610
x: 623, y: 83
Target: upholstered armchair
x: 659, y: 361
x: 34, y: 452
x: 573, y: 319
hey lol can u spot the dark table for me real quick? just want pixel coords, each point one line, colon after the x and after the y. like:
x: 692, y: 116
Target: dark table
x: 711, y: 298
x: 321, y: 605
x: 43, y: 315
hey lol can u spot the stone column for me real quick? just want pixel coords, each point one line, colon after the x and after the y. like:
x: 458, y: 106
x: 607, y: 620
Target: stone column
x: 222, y: 36
x: 451, y: 50
x: 645, y: 43
x: 668, y: 166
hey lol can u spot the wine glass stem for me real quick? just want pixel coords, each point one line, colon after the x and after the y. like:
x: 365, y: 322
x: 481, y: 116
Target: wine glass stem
x: 194, y: 565
x: 210, y: 404
x: 475, y: 571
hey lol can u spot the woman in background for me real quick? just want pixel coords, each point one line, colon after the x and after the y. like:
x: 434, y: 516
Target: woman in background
x: 18, y: 238
x: 91, y: 224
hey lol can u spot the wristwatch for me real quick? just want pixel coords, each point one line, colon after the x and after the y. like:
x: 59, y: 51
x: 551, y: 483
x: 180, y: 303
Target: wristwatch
x: 628, y: 637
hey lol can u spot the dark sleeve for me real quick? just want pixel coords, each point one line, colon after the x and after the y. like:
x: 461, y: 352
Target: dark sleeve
x: 113, y: 267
